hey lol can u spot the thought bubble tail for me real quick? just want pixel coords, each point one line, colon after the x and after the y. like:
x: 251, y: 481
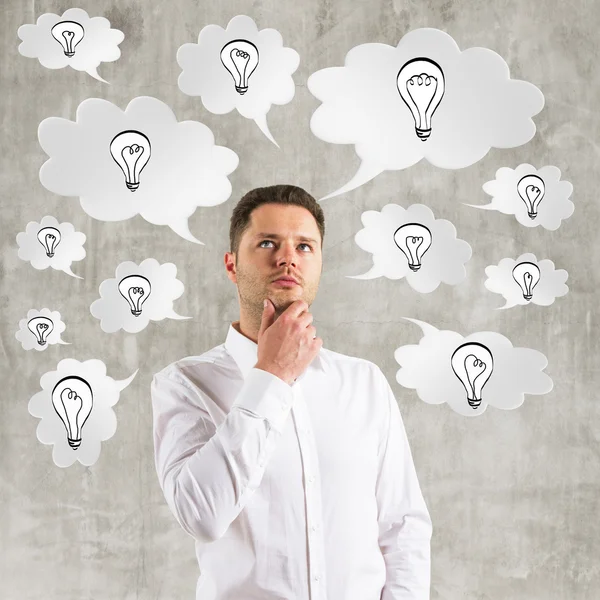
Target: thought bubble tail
x: 95, y: 75
x: 68, y: 271
x: 482, y: 206
x: 123, y: 383
x: 173, y: 315
x: 375, y: 271
x: 262, y: 125
x: 366, y: 172
x: 64, y: 343
x: 425, y: 327
x: 182, y: 228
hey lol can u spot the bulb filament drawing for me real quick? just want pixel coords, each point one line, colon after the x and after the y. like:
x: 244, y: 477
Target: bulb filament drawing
x: 473, y: 364
x: 49, y: 237
x: 131, y: 151
x: 240, y: 58
x: 41, y: 327
x: 135, y: 289
x: 531, y: 189
x: 527, y: 276
x: 421, y: 85
x: 414, y: 240
x: 68, y: 34
x: 72, y: 399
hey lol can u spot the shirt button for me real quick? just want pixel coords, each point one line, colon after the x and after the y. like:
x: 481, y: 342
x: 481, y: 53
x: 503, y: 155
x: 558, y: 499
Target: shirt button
x: 314, y: 527
x: 317, y: 577
x: 311, y: 479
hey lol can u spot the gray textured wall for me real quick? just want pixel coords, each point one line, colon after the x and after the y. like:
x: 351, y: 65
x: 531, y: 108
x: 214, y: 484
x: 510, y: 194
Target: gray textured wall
x: 514, y: 495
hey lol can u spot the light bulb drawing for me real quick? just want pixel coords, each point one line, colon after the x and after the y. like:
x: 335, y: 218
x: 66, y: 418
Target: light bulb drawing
x: 68, y: 34
x: 41, y: 327
x: 131, y: 151
x: 49, y: 237
x: 414, y: 240
x: 531, y: 188
x: 135, y: 289
x: 473, y: 364
x: 527, y: 276
x: 421, y: 84
x: 72, y: 399
x: 240, y: 58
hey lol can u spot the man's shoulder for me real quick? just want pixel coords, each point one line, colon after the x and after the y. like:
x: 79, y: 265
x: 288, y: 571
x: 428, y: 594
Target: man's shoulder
x: 182, y: 367
x: 346, y: 361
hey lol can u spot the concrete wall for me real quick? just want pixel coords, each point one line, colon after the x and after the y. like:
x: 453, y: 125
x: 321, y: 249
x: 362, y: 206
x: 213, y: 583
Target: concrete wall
x: 514, y: 495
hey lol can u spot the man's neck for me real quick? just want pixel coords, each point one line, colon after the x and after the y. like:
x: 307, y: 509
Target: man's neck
x: 246, y: 330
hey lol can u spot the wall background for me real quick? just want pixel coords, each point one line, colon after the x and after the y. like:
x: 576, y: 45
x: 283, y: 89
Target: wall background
x: 514, y: 495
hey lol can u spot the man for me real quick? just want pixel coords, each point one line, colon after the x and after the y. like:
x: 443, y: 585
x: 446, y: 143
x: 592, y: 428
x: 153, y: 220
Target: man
x: 286, y: 462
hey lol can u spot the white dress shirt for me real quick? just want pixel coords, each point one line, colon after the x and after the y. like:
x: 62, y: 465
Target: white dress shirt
x: 292, y: 492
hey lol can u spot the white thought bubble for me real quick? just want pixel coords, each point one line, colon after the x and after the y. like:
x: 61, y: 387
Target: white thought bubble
x: 424, y: 99
x: 526, y: 281
x: 40, y: 329
x: 137, y: 161
x: 469, y: 373
x: 413, y: 244
x: 51, y: 244
x: 138, y: 295
x: 239, y: 67
x: 75, y: 408
x: 72, y: 39
x: 536, y: 197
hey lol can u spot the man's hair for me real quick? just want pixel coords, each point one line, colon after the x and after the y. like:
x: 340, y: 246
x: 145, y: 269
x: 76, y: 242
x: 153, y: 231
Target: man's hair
x: 272, y: 194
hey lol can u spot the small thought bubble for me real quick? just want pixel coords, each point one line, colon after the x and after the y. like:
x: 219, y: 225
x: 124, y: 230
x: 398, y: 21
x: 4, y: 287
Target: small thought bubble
x: 239, y: 67
x: 534, y: 196
x: 75, y: 408
x: 412, y: 243
x: 40, y: 329
x: 526, y: 281
x: 423, y: 99
x: 72, y: 39
x: 137, y: 161
x: 138, y: 295
x: 469, y: 373
x: 51, y: 244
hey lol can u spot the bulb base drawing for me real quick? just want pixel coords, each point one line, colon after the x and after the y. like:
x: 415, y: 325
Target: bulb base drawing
x: 414, y: 267
x: 41, y: 342
x: 474, y: 402
x: 50, y: 254
x: 240, y: 89
x: 74, y: 443
x: 527, y: 296
x: 532, y: 215
x: 69, y: 54
x: 423, y: 134
x: 132, y: 186
x: 136, y: 313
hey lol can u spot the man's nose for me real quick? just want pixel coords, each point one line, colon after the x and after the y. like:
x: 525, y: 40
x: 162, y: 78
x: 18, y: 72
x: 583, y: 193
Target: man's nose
x: 287, y: 255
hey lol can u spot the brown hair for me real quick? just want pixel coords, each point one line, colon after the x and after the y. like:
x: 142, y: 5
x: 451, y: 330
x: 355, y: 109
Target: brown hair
x: 272, y: 194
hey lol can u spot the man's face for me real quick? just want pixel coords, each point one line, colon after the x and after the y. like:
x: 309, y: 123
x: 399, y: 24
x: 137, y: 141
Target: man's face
x: 281, y: 240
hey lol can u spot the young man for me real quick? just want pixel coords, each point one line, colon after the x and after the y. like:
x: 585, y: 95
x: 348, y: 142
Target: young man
x: 288, y: 463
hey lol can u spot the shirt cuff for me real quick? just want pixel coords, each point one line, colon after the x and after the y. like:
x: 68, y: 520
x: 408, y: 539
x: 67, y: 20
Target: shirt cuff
x: 267, y: 396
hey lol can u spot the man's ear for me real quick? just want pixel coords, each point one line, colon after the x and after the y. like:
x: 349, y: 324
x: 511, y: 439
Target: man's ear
x: 230, y: 262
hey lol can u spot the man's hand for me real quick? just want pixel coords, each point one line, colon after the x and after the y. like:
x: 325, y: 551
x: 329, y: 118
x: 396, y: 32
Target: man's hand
x: 288, y: 345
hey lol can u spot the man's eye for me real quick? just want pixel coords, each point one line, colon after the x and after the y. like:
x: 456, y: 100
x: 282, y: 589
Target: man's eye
x: 270, y: 242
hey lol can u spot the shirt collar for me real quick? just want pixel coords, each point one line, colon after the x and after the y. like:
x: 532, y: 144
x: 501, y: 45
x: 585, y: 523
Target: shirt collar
x: 245, y: 352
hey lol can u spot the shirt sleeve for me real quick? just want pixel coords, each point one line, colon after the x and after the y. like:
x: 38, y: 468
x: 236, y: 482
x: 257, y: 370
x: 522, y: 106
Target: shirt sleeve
x: 405, y: 527
x: 207, y: 473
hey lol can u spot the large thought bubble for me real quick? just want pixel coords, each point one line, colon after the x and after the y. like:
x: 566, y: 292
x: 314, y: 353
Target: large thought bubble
x: 75, y: 408
x: 138, y: 295
x: 72, y: 39
x: 239, y: 67
x: 534, y: 196
x: 412, y: 243
x: 469, y: 373
x: 422, y: 99
x: 51, y: 244
x: 526, y: 281
x: 137, y: 161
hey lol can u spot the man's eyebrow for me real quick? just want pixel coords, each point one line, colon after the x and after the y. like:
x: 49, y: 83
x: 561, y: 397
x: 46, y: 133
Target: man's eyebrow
x: 276, y: 236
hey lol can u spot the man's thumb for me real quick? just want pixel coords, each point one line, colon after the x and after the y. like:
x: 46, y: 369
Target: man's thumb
x: 267, y: 316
